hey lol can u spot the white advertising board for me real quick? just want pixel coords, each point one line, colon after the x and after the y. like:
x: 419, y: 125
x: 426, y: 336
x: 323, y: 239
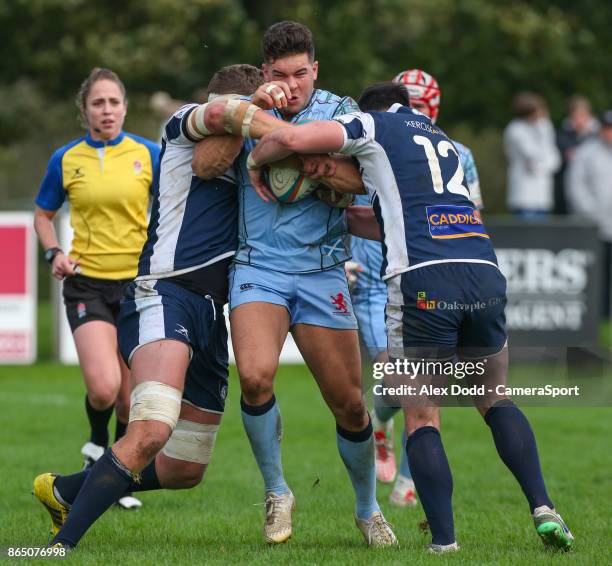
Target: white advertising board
x: 17, y: 288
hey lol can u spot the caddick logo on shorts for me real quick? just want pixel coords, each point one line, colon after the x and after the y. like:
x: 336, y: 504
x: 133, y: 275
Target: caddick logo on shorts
x: 246, y: 287
x: 423, y: 303
x: 81, y: 310
x: 446, y: 221
x: 339, y: 303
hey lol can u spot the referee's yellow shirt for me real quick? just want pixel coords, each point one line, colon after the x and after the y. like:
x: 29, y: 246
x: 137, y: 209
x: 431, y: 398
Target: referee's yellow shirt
x: 108, y: 186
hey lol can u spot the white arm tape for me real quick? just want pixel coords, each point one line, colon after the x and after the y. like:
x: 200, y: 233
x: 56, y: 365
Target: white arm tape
x: 191, y: 442
x: 248, y: 118
x: 155, y: 401
x: 228, y: 114
x: 200, y: 130
x: 250, y: 163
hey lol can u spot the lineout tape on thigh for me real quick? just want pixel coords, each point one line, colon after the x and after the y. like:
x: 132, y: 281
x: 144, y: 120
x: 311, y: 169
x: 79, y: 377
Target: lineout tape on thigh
x: 192, y: 442
x: 155, y: 401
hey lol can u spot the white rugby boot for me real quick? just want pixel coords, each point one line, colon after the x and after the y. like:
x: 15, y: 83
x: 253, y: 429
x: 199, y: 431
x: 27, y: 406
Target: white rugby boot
x: 376, y: 530
x: 277, y: 525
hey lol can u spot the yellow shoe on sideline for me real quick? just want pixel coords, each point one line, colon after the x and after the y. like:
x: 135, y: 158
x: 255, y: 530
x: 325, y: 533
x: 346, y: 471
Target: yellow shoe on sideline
x: 43, y: 491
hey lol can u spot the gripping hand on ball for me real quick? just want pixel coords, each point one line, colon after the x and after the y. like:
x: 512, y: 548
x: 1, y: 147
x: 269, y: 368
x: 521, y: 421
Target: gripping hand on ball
x: 257, y: 180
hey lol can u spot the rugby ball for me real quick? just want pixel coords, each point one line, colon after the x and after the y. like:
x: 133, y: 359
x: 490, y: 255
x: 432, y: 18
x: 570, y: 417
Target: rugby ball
x: 287, y: 182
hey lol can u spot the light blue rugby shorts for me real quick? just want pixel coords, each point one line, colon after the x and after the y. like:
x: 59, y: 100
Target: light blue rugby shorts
x: 320, y: 298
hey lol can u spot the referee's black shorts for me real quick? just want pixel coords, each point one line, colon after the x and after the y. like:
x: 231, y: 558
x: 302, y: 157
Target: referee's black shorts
x: 88, y: 298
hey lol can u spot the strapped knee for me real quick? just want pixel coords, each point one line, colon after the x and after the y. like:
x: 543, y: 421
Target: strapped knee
x: 155, y: 401
x: 192, y: 442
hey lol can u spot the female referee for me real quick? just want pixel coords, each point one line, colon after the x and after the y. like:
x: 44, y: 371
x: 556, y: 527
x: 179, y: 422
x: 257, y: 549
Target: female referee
x: 107, y: 176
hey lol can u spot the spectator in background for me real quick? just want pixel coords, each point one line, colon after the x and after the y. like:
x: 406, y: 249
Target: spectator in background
x: 589, y: 191
x: 579, y: 126
x: 529, y: 142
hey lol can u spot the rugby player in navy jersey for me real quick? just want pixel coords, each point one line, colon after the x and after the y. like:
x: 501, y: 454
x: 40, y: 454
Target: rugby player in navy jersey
x: 434, y: 245
x: 172, y: 333
x: 369, y: 294
x: 288, y: 276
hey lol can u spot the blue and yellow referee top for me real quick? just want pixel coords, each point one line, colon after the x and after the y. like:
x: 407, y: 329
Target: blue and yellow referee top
x: 108, y: 185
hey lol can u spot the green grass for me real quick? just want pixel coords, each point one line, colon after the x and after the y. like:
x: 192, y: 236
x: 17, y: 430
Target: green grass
x: 43, y: 425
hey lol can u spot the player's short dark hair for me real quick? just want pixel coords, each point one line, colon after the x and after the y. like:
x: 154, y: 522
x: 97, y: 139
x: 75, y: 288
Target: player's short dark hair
x: 235, y: 79
x: 287, y: 38
x: 383, y: 95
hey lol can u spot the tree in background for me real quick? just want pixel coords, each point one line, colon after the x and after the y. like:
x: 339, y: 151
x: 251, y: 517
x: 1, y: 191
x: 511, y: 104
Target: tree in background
x: 481, y: 51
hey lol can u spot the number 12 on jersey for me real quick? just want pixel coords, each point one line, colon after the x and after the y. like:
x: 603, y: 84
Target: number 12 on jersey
x: 455, y: 184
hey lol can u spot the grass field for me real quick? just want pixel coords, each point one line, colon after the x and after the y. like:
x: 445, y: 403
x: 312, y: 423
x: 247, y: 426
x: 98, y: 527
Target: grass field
x: 42, y: 426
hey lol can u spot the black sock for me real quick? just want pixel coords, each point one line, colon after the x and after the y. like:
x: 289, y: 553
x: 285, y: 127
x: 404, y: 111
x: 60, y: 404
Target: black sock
x: 120, y: 429
x: 107, y: 481
x: 433, y: 481
x: 68, y: 487
x: 517, y: 448
x: 98, y: 421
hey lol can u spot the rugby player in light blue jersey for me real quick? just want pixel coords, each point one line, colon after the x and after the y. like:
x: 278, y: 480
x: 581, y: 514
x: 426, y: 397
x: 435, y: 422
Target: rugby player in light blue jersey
x: 369, y: 294
x: 172, y: 334
x: 288, y: 275
x: 434, y: 247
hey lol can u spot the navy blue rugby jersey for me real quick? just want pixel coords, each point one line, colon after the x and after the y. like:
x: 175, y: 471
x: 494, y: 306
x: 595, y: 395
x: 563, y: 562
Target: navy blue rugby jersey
x: 413, y: 174
x: 194, y: 223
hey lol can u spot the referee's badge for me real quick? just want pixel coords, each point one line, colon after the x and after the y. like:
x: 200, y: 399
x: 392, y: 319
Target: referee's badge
x: 137, y: 167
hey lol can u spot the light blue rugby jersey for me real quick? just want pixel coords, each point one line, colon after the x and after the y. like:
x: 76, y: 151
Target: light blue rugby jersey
x: 368, y: 253
x: 302, y: 237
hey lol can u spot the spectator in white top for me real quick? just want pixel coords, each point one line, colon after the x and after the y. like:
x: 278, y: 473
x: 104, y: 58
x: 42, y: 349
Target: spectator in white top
x: 529, y: 141
x: 589, y: 191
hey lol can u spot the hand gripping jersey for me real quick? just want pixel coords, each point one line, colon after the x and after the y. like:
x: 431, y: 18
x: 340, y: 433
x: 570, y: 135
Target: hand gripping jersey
x: 302, y: 237
x: 414, y: 177
x: 108, y: 186
x: 368, y: 253
x: 193, y: 222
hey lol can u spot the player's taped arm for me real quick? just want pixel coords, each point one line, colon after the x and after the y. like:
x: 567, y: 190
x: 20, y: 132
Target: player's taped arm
x: 235, y: 117
x: 214, y: 155
x: 362, y: 223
